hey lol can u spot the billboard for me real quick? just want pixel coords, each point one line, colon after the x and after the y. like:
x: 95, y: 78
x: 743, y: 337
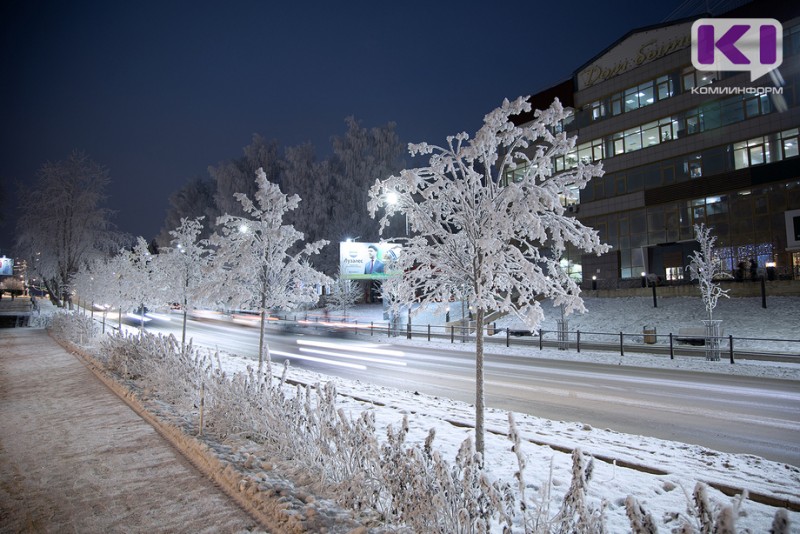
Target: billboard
x: 6, y: 266
x: 367, y: 261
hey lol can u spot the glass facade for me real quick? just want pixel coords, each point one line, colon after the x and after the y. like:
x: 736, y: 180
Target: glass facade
x: 646, y: 206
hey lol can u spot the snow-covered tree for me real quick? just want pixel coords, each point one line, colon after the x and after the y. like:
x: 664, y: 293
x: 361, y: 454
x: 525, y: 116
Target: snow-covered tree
x: 194, y: 200
x: 108, y: 276
x: 86, y: 285
x: 236, y: 176
x: 503, y: 238
x: 704, y: 267
x: 63, y: 223
x: 258, y: 260
x: 139, y: 281
x: 344, y: 294
x: 181, y: 267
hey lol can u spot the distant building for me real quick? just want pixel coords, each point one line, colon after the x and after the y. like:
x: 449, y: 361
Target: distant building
x: 682, y: 147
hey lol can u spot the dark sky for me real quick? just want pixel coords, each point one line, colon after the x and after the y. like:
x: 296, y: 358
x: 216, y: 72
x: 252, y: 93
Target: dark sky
x: 156, y: 91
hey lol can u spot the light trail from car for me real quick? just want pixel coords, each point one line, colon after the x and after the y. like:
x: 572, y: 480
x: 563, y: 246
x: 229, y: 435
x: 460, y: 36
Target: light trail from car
x: 351, y: 356
x: 319, y: 360
x: 371, y: 349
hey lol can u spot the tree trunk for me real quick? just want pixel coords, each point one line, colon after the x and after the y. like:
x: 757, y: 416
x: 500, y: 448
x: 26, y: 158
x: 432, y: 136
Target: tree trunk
x: 479, y: 396
x: 183, y: 332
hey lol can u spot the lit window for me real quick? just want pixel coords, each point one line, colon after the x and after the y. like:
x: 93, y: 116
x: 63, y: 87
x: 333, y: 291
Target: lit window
x: 751, y: 152
x: 789, y: 140
x: 664, y: 87
x: 633, y: 139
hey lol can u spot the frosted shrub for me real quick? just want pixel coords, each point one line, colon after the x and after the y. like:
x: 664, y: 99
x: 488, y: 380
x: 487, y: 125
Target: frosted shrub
x: 641, y: 521
x: 576, y: 515
x: 701, y: 517
x: 73, y: 327
x: 389, y: 482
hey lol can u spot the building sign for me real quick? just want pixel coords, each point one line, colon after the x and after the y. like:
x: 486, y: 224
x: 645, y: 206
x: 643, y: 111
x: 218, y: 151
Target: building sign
x: 635, y: 51
x: 367, y: 261
x: 793, y: 230
x: 750, y: 45
x: 6, y: 266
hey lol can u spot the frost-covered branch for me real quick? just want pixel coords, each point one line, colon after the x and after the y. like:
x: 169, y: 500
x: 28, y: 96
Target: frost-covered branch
x: 704, y: 267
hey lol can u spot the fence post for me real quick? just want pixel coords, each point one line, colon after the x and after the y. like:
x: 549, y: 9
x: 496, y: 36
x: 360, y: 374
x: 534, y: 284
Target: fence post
x: 621, y: 346
x: 671, y: 350
x: 408, y: 330
x: 371, y: 328
x: 355, y: 327
x: 508, y: 337
x: 452, y: 334
x: 541, y: 334
x: 429, y: 332
x: 578, y: 341
x: 730, y: 340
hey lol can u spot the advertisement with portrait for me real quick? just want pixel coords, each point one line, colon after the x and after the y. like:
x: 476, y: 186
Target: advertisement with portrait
x: 367, y: 261
x: 6, y: 266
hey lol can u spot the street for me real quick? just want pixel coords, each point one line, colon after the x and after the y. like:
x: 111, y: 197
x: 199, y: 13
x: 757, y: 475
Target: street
x: 723, y: 412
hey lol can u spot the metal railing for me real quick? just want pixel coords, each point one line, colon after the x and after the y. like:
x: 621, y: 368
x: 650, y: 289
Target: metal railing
x: 647, y: 341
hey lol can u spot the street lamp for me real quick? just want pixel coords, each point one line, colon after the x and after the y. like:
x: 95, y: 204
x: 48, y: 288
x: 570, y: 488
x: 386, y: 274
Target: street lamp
x: 594, y: 282
x: 644, y: 279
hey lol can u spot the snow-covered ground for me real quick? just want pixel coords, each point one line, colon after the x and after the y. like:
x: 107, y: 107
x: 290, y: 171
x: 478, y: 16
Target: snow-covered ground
x: 662, y: 495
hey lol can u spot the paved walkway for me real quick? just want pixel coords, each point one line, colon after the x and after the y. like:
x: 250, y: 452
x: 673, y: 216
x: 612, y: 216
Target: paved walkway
x: 76, y: 458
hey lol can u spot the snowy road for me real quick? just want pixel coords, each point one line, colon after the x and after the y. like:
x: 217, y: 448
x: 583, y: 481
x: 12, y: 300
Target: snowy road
x: 738, y: 414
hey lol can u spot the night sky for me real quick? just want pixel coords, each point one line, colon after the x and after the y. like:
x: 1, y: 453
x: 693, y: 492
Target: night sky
x: 156, y: 91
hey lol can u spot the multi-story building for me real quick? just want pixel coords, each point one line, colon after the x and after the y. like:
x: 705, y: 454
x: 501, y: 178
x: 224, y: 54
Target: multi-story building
x: 682, y: 147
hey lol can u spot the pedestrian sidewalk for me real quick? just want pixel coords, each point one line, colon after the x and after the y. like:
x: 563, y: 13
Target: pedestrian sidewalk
x: 75, y: 458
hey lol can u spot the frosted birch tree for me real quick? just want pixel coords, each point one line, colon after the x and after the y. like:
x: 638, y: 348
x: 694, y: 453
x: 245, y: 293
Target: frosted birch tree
x: 259, y: 261
x: 704, y: 267
x: 502, y: 238
x: 181, y: 267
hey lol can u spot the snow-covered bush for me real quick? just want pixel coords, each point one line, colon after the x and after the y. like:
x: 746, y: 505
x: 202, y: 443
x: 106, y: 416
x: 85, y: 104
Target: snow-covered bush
x: 73, y: 327
x: 389, y: 482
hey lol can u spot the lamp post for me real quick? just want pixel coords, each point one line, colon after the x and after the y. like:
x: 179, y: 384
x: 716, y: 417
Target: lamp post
x: 644, y: 279
x: 594, y: 282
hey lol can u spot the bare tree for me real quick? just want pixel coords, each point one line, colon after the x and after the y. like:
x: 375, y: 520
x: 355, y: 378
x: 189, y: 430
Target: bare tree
x: 503, y: 240
x: 62, y: 223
